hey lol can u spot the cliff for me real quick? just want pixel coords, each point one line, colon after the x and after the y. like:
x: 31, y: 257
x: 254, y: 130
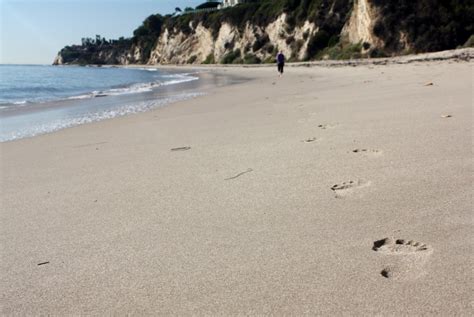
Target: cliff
x: 302, y: 29
x: 251, y: 44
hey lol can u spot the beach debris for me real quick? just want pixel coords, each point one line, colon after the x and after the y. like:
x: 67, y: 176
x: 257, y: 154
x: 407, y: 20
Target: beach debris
x: 89, y: 144
x: 429, y: 84
x: 184, y: 148
x: 240, y: 174
x: 387, y: 272
x: 309, y: 140
x: 43, y: 263
x: 446, y: 116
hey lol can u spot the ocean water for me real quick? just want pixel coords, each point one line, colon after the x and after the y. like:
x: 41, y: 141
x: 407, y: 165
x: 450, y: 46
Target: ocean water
x: 38, y: 99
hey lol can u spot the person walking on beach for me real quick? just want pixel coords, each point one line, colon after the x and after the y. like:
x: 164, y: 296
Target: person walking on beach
x: 280, y: 62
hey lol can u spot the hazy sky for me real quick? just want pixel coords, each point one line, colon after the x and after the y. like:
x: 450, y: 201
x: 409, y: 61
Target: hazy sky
x: 33, y: 31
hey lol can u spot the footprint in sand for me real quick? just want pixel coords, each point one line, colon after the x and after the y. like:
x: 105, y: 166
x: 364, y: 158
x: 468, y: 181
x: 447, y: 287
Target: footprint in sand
x: 348, y: 188
x: 310, y: 140
x: 367, y: 152
x: 327, y: 126
x: 405, y: 259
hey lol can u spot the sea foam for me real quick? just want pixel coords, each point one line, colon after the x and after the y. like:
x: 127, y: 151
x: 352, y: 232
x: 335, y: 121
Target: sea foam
x: 38, y: 128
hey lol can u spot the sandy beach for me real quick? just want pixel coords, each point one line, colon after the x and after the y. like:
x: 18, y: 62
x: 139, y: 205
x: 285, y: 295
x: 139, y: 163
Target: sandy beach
x: 269, y: 197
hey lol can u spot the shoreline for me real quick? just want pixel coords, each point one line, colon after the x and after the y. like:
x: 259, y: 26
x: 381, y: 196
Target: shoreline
x: 457, y: 55
x: 87, y: 107
x: 272, y: 196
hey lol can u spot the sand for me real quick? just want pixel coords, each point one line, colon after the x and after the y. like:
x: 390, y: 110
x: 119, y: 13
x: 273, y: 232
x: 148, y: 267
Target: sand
x: 274, y: 196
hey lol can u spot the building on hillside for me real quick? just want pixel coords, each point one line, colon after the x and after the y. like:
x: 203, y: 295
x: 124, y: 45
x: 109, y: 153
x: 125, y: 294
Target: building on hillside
x: 211, y: 5
x: 231, y: 3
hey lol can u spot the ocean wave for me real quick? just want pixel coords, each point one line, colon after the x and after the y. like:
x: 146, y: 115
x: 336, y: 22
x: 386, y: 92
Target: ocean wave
x: 147, y: 69
x: 86, y: 96
x: 140, y: 87
x: 34, y: 129
x: 14, y: 104
x: 23, y: 85
x: 180, y: 80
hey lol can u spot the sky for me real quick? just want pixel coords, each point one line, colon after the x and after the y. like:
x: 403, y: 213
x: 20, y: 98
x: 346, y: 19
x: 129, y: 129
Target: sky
x: 34, y: 31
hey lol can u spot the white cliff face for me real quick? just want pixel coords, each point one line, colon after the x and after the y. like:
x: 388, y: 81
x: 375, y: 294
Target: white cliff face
x: 58, y: 60
x: 133, y: 57
x: 254, y: 42
x: 308, y: 29
x: 359, y: 27
x: 205, y: 43
x: 167, y: 47
x: 277, y: 34
x: 227, y: 38
x: 179, y: 48
x: 249, y: 35
x: 175, y: 47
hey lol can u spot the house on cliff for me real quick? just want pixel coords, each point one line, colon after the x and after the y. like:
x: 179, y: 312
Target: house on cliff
x: 231, y: 3
x: 211, y: 5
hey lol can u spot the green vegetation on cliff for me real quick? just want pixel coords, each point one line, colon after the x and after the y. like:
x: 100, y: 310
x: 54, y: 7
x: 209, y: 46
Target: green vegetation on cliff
x: 94, y: 51
x: 423, y: 25
x: 147, y: 34
x: 257, y: 13
x: 430, y: 25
